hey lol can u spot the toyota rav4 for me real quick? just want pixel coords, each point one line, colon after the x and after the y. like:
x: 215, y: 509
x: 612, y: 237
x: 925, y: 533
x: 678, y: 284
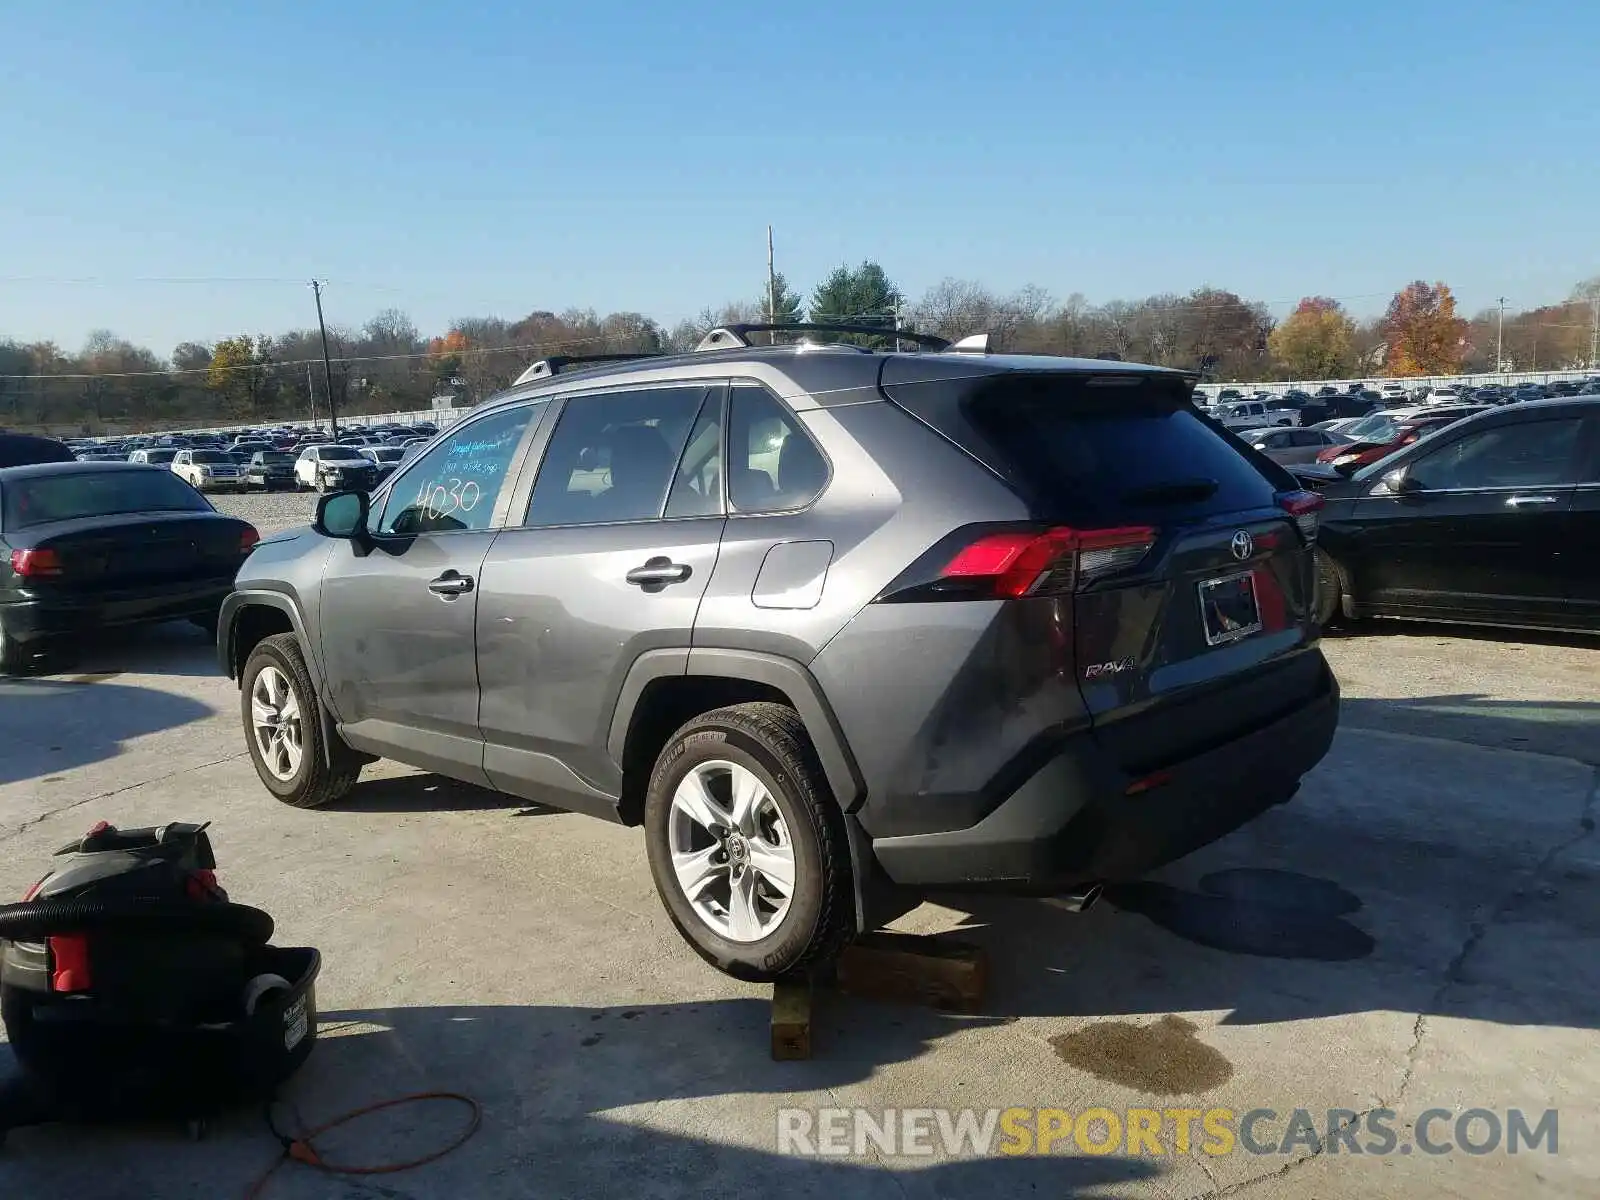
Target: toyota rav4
x: 836, y: 625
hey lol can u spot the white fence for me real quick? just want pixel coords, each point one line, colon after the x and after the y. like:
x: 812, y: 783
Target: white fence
x: 1467, y: 381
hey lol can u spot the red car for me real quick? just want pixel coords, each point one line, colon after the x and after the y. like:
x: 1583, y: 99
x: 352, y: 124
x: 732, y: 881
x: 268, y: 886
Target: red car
x: 1382, y: 433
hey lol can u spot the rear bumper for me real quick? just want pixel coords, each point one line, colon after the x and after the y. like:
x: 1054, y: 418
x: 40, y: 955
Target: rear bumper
x: 1073, y: 823
x: 47, y: 616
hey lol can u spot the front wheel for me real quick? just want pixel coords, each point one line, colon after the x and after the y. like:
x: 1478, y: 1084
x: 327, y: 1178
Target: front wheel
x: 746, y: 844
x: 283, y: 727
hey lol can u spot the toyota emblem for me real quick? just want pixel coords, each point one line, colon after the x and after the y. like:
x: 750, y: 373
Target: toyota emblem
x: 1242, y: 545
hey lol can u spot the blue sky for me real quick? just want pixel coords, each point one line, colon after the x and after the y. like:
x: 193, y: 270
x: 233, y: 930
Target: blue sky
x: 478, y: 158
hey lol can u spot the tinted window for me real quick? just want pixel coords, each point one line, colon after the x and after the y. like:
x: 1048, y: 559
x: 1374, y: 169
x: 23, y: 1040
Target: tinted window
x: 612, y: 456
x: 275, y: 457
x: 210, y: 456
x: 455, y: 484
x: 1114, y: 451
x: 1532, y: 454
x: 328, y: 453
x: 93, y: 494
x: 772, y: 464
x: 697, y: 487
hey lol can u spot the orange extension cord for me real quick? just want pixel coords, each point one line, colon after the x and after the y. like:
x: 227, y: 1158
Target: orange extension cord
x: 301, y: 1149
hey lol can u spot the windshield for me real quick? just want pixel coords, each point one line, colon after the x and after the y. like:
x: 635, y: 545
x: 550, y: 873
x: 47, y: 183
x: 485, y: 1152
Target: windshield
x: 328, y: 452
x: 160, y: 456
x: 46, y: 498
x: 1379, y: 427
x: 388, y: 454
x: 210, y: 456
x: 275, y: 457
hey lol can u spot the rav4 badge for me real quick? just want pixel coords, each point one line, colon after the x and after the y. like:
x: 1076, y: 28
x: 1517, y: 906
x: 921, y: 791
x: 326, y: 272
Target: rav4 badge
x: 1114, y: 667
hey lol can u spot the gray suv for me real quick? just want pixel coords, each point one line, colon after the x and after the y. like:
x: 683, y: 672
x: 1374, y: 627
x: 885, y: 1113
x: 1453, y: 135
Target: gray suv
x: 838, y: 626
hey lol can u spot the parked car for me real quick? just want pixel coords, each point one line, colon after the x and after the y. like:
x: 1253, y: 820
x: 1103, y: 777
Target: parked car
x: 385, y: 458
x: 1292, y: 445
x: 1444, y: 395
x: 269, y: 471
x: 331, y: 468
x: 157, y: 456
x: 1338, y: 424
x: 209, y: 470
x: 1393, y: 393
x: 1382, y: 434
x: 1248, y: 413
x: 1495, y: 520
x: 695, y: 594
x: 21, y: 449
x: 1525, y: 392
x: 88, y: 546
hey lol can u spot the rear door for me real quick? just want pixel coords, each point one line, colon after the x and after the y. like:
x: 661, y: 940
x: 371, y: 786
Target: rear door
x: 607, y: 559
x: 1579, y: 558
x: 1206, y: 630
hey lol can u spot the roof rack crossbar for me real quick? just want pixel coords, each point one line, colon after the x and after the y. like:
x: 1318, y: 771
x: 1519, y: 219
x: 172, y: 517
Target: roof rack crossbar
x: 724, y: 337
x: 557, y: 363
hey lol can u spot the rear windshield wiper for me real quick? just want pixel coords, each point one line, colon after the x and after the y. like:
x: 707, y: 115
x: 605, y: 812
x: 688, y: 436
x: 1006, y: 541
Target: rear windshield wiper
x: 1178, y: 491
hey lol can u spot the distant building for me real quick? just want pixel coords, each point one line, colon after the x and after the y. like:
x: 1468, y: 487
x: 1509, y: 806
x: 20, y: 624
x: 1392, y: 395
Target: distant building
x: 451, y: 393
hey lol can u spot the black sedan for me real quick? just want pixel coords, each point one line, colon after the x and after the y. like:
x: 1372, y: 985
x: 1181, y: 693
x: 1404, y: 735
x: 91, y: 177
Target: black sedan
x: 92, y: 545
x: 1493, y: 521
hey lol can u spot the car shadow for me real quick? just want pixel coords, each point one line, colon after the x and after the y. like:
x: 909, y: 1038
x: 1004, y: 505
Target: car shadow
x: 52, y: 725
x: 1568, y: 728
x: 556, y: 1085
x: 426, y: 792
x: 1389, y: 627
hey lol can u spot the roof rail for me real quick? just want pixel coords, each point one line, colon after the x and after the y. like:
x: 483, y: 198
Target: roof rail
x: 557, y: 363
x: 725, y: 337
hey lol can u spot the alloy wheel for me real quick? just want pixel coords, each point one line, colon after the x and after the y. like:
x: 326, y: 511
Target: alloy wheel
x: 276, y: 723
x: 731, y: 851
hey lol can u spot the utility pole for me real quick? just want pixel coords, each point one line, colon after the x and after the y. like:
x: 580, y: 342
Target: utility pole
x: 1500, y: 339
x: 1594, y: 334
x: 327, y: 366
x: 312, y: 392
x: 772, y: 291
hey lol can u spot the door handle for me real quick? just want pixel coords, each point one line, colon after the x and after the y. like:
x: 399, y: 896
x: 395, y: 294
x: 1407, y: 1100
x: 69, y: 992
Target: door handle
x: 450, y: 584
x: 657, y: 573
x: 1530, y: 501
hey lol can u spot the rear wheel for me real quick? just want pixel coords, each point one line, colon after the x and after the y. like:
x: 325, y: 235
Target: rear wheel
x: 746, y: 844
x: 14, y: 656
x: 283, y: 728
x: 1330, y: 589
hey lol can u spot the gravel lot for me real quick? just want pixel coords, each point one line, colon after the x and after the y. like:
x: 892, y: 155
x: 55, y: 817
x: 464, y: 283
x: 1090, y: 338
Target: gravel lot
x: 270, y: 512
x: 1418, y: 929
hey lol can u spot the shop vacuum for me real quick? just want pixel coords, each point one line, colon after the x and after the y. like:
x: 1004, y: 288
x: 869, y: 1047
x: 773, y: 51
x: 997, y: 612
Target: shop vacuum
x: 131, y: 988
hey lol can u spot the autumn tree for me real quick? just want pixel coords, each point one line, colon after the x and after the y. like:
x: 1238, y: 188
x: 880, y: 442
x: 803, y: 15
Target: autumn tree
x: 1424, y: 335
x: 1316, y: 341
x: 238, y: 373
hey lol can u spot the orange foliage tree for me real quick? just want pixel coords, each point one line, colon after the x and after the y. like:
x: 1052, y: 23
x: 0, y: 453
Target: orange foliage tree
x: 1425, y: 336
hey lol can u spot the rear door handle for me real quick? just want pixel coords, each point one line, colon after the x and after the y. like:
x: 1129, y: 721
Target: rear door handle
x: 451, y: 583
x: 1531, y: 501
x: 657, y: 573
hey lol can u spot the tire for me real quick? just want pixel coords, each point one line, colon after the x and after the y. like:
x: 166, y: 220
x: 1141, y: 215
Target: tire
x: 768, y: 742
x: 310, y: 781
x: 1330, y: 590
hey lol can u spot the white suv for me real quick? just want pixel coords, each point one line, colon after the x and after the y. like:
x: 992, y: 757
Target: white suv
x: 209, y: 470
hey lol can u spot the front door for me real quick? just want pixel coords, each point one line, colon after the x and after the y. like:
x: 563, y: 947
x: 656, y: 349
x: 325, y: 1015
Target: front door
x: 608, y: 561
x: 1482, y: 536
x: 1580, y: 557
x: 398, y: 616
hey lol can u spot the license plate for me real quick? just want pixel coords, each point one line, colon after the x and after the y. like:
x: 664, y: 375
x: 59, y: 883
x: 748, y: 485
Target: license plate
x: 1229, y: 608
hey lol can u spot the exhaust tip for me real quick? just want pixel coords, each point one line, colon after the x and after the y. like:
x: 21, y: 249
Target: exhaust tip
x: 1079, y: 901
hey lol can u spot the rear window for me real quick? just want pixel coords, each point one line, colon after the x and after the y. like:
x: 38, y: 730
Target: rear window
x: 1111, y: 449
x: 47, y: 498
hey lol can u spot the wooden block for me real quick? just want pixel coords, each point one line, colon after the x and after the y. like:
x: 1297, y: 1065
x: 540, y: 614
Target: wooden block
x: 914, y: 969
x: 791, y: 1020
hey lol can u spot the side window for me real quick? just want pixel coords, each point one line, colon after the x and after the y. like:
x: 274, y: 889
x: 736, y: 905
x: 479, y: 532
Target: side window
x: 697, y: 487
x: 772, y: 464
x: 454, y: 485
x: 1530, y: 454
x: 613, y: 455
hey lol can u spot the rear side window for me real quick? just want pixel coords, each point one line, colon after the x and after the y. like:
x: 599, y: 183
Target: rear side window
x: 1109, y: 449
x: 773, y: 466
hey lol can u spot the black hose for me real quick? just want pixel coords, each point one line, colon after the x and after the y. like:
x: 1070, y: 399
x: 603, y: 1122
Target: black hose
x: 35, y: 920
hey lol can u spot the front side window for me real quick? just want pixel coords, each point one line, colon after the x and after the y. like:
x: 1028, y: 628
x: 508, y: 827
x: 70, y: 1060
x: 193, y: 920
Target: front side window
x: 453, y: 487
x: 773, y: 466
x: 1532, y: 454
x: 613, y: 456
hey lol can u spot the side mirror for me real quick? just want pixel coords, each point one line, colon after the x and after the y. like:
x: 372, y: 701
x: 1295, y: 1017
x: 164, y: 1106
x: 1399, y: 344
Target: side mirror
x: 1397, y: 483
x: 342, y: 515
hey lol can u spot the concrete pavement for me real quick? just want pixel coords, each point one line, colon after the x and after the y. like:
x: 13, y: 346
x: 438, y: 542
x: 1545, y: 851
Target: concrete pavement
x: 1417, y: 929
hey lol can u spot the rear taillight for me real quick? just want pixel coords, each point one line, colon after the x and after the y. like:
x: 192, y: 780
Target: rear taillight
x: 35, y: 564
x: 248, y: 537
x: 1012, y: 563
x: 1303, y: 506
